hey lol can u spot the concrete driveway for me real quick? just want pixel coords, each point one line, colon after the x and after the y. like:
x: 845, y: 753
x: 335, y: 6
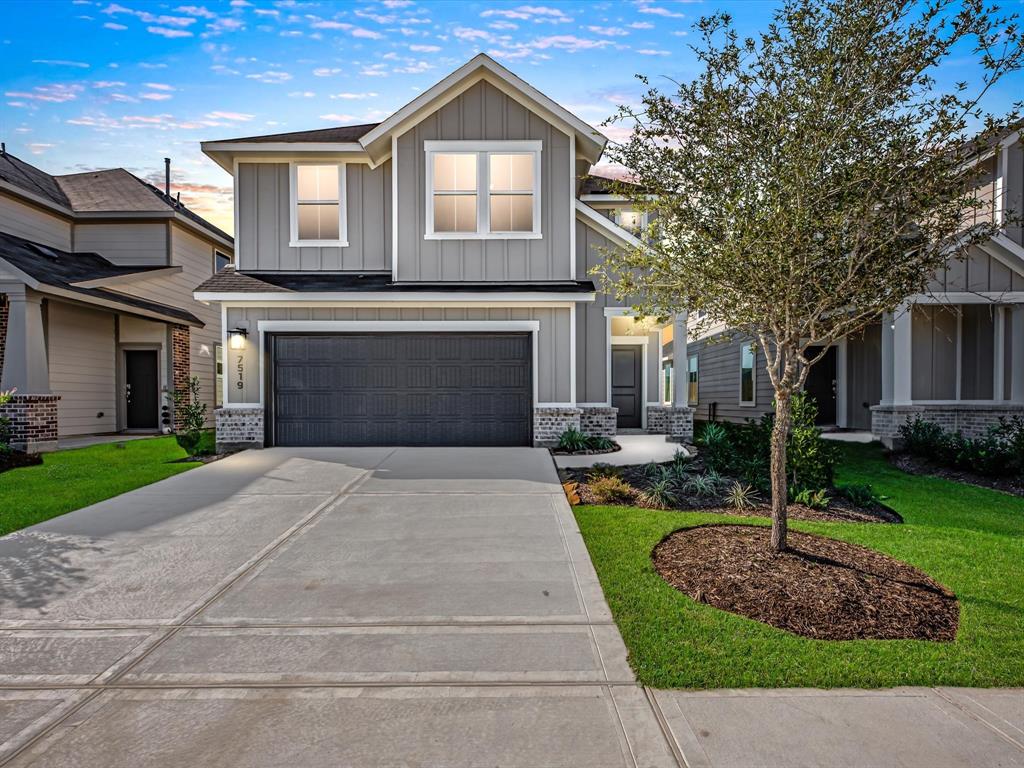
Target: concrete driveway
x: 319, y: 607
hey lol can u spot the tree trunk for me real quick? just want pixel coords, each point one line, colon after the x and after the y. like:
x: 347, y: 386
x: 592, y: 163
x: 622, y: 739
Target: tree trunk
x: 780, y: 491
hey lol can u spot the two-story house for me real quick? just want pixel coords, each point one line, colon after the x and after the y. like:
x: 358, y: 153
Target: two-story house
x: 425, y: 281
x: 953, y: 355
x: 97, y: 321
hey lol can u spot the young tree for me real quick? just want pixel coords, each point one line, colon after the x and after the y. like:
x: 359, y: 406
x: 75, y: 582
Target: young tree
x: 813, y: 178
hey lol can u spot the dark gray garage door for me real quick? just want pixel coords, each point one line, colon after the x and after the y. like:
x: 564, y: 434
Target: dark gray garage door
x: 402, y: 389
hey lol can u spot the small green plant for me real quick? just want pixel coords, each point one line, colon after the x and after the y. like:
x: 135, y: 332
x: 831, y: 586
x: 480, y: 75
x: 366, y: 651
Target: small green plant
x: 190, y: 413
x: 815, y: 499
x: 861, y: 494
x: 611, y: 490
x: 717, y: 449
x: 572, y: 440
x: 604, y: 470
x: 599, y: 443
x: 652, y: 469
x: 5, y: 424
x: 740, y: 496
x: 702, y: 486
x: 660, y: 495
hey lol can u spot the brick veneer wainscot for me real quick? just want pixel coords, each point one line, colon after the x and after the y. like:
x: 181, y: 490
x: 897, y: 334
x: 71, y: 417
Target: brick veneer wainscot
x: 33, y: 421
x: 5, y: 310
x: 550, y: 423
x: 970, y: 419
x: 599, y: 421
x: 238, y: 429
x: 181, y: 366
x: 669, y: 420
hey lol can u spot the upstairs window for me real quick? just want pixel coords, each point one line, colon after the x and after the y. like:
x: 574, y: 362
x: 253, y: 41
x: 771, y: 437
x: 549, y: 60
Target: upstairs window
x: 483, y: 190
x: 221, y: 260
x: 318, y: 205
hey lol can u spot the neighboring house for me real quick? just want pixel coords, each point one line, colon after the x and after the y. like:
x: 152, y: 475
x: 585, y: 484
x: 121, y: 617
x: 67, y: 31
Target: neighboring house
x: 426, y: 281
x: 954, y: 355
x: 97, y: 321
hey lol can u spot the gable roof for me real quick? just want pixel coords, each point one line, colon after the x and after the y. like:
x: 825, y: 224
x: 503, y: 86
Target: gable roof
x: 47, y: 267
x: 340, y: 133
x: 20, y: 174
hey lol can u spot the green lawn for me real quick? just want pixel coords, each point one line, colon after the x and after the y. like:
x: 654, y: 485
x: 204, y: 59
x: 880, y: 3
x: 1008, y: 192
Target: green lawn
x: 970, y: 539
x: 69, y: 480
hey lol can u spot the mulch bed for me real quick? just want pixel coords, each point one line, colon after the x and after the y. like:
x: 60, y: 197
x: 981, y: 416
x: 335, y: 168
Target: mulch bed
x: 915, y: 465
x: 820, y: 588
x: 15, y: 459
x: 615, y: 447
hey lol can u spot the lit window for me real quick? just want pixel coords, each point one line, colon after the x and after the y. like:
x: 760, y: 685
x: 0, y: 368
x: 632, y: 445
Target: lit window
x: 317, y: 215
x: 632, y: 221
x: 747, y: 374
x: 480, y: 194
x: 691, y: 381
x: 218, y: 366
x: 221, y: 260
x: 666, y: 367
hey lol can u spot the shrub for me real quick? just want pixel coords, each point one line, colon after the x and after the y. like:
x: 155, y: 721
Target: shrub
x: 861, y: 494
x: 810, y: 459
x: 925, y: 439
x: 742, y: 496
x: 190, y: 411
x: 611, y: 490
x: 815, y: 499
x: 599, y: 443
x: 997, y: 453
x: 702, y: 486
x: 5, y: 424
x: 604, y: 470
x: 660, y: 495
x: 572, y: 440
x: 718, y: 450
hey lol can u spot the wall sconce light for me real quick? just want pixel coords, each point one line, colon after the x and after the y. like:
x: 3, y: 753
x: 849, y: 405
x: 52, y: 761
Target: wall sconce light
x: 237, y: 340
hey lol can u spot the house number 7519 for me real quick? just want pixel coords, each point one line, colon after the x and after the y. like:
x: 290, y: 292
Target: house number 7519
x: 240, y: 367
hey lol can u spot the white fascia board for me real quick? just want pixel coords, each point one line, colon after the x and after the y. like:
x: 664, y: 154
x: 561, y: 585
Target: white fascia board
x: 386, y: 299
x: 117, y: 306
x: 606, y: 226
x: 102, y: 282
x: 21, y: 275
x: 484, y: 64
x: 384, y: 326
x: 969, y: 297
x: 328, y: 147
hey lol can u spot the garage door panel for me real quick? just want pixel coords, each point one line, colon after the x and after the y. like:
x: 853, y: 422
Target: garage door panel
x: 402, y: 389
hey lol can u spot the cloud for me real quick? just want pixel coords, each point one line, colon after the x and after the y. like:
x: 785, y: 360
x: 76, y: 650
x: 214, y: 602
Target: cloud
x: 567, y: 43
x: 168, y: 33
x: 160, y: 86
x: 652, y: 52
x: 61, y: 63
x: 115, y: 26
x: 503, y: 25
x: 123, y: 98
x: 641, y: 25
x: 326, y: 71
x: 270, y: 76
x: 425, y: 48
x: 367, y: 33
x: 266, y: 12
x: 108, y: 84
x: 657, y: 10
x: 155, y: 96
x: 39, y: 148
x: 374, y: 70
x: 150, y: 65
x: 380, y: 19
x: 302, y: 94
x: 608, y: 31
x: 56, y: 94
x: 414, y: 68
x: 536, y: 13
x: 197, y: 10
x: 351, y: 96
x: 240, y: 4
x: 468, y: 33
x: 241, y: 117
x: 336, y: 118
x: 149, y: 18
x: 328, y: 24
x: 396, y: 3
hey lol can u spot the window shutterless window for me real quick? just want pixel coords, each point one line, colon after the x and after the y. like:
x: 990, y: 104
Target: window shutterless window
x: 318, y: 204
x: 692, y: 380
x: 218, y: 368
x: 747, y: 374
x: 482, y: 190
x: 220, y: 260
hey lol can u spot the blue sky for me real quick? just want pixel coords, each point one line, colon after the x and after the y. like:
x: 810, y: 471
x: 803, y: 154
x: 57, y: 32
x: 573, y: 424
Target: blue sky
x: 101, y: 84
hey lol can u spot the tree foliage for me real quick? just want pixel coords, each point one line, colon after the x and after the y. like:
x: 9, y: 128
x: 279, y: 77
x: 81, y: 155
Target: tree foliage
x: 813, y: 177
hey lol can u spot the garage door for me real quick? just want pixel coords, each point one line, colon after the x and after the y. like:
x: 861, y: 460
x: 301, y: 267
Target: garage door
x: 402, y: 389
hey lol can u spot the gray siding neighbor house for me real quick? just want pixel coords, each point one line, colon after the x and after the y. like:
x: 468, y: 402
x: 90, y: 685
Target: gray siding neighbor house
x: 953, y: 355
x: 426, y: 281
x: 97, y: 320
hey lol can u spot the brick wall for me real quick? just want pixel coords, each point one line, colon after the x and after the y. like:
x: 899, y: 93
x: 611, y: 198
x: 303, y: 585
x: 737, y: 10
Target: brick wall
x: 971, y: 419
x: 599, y: 421
x: 677, y: 423
x: 239, y: 428
x: 4, y: 312
x: 549, y: 423
x: 33, y: 421
x: 181, y: 367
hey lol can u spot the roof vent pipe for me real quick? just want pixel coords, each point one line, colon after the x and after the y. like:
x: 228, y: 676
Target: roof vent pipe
x: 3, y: 147
x: 167, y: 176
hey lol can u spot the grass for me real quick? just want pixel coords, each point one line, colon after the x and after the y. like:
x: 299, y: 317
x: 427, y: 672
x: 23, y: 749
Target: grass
x: 970, y: 539
x: 69, y: 480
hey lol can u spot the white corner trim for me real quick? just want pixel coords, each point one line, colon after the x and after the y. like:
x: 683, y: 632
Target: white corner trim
x: 572, y: 355
x: 606, y: 226
x: 329, y: 147
x: 394, y: 209
x: 572, y: 204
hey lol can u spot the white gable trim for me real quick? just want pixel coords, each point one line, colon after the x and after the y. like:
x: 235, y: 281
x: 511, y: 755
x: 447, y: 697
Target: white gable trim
x: 483, y: 67
x: 605, y: 226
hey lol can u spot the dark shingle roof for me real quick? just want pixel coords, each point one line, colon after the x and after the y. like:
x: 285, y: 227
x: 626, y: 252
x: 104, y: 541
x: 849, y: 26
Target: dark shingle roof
x: 229, y: 281
x: 19, y: 173
x: 60, y: 269
x: 601, y: 185
x: 339, y: 133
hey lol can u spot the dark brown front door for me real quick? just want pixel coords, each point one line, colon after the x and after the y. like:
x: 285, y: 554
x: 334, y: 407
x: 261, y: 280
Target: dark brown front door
x: 627, y: 391
x: 140, y: 389
x: 821, y: 385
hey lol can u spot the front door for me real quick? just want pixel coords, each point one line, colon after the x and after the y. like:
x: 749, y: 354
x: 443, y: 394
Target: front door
x: 821, y: 385
x: 140, y: 388
x: 627, y: 391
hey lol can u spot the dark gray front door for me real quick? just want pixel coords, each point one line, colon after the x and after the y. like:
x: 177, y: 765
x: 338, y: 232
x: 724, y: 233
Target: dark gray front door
x: 140, y: 389
x: 627, y: 394
x: 821, y: 384
x: 402, y: 389
x: 864, y: 373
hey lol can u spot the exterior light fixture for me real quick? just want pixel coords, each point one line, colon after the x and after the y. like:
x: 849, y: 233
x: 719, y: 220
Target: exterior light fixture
x: 237, y: 340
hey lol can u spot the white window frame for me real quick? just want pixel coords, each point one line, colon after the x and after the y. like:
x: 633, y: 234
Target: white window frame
x: 753, y: 375
x: 617, y: 218
x: 482, y: 149
x: 696, y: 358
x: 218, y: 376
x: 293, y: 206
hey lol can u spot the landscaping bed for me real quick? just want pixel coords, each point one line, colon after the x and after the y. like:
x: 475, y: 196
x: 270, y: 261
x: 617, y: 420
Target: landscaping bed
x: 11, y: 459
x: 819, y: 588
x: 916, y: 465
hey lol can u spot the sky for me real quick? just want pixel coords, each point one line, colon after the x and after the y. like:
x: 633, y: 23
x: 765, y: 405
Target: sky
x: 90, y: 84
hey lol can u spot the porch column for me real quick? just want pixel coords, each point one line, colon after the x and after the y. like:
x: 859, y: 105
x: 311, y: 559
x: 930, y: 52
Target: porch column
x: 25, y: 366
x: 887, y: 327
x: 680, y: 361
x: 1017, y: 353
x: 901, y: 352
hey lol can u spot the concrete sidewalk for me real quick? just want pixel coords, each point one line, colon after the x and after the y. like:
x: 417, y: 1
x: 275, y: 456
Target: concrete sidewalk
x: 383, y: 607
